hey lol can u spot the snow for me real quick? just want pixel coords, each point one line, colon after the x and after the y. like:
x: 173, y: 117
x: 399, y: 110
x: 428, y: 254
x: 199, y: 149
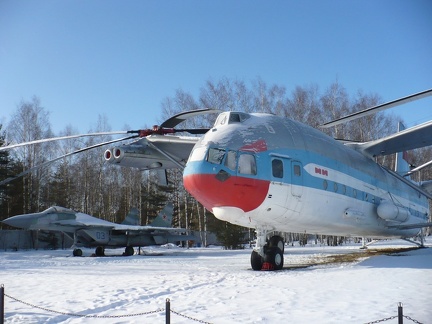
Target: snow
x: 217, y: 286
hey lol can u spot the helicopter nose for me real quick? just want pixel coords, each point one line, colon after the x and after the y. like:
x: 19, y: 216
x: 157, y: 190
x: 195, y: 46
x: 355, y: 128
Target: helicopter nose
x: 222, y: 189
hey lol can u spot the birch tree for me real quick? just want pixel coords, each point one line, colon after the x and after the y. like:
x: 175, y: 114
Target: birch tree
x: 31, y: 122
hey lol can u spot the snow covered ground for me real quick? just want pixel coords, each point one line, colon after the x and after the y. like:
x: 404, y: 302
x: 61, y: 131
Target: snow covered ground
x: 216, y: 286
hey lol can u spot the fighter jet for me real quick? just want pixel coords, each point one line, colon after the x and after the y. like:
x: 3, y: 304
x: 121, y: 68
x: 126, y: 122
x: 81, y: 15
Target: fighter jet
x: 89, y: 231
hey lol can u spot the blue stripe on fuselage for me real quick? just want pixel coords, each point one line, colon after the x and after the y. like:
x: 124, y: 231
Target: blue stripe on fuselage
x: 373, y: 176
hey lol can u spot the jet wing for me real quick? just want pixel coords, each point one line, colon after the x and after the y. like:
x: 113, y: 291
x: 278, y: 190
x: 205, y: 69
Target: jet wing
x: 408, y: 139
x: 146, y: 229
x: 83, y: 224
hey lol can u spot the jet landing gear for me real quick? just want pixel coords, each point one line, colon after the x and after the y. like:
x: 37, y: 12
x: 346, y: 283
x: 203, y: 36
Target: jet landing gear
x: 100, y: 251
x: 267, y: 254
x: 129, y: 250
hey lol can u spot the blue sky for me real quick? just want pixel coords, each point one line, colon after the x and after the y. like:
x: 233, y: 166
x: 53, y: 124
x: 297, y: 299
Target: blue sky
x: 122, y: 58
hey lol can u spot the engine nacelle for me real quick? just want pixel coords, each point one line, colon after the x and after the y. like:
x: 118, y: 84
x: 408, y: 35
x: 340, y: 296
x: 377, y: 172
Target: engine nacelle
x: 117, y: 154
x: 138, y: 156
x: 108, y: 155
x: 390, y: 212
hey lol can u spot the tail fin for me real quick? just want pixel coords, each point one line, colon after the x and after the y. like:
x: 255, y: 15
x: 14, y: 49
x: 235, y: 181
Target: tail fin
x: 402, y: 166
x: 132, y: 218
x: 164, y: 218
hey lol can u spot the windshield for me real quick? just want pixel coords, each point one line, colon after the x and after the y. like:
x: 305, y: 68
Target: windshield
x: 215, y: 155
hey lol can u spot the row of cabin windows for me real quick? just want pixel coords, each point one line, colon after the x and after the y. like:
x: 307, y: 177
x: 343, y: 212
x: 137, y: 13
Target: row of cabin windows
x: 244, y: 163
x: 344, y: 190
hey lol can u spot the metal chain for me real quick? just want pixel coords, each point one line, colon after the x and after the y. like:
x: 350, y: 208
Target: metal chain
x: 412, y: 319
x: 188, y: 317
x: 382, y: 320
x: 392, y: 317
x: 159, y: 310
x: 83, y: 315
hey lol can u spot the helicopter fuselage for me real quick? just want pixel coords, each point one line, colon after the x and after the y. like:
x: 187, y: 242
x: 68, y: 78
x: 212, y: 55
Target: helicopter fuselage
x: 273, y: 173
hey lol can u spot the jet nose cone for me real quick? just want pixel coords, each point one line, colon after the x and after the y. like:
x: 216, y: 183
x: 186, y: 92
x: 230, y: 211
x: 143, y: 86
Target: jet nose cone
x: 20, y: 221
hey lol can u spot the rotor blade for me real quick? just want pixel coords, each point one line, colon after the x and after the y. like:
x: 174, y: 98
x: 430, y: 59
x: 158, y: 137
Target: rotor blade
x: 60, y: 138
x: 63, y: 156
x: 378, y: 108
x: 181, y: 117
x: 193, y: 130
x: 418, y: 168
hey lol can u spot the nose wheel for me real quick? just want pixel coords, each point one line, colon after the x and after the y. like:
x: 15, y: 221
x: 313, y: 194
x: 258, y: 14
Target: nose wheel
x: 267, y: 256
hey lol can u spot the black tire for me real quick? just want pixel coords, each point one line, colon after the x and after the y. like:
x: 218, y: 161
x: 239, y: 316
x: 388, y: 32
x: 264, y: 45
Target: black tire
x: 274, y: 256
x: 277, y: 241
x: 77, y: 252
x: 256, y: 261
x: 129, y: 250
x: 100, y: 251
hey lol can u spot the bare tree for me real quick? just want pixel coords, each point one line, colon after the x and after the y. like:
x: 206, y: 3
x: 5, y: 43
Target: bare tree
x: 31, y: 122
x: 335, y: 104
x: 304, y: 106
x: 373, y: 126
x: 270, y: 100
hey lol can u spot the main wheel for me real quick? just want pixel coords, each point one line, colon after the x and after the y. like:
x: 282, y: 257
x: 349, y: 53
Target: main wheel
x: 129, y: 250
x: 256, y: 261
x: 277, y: 241
x: 274, y: 256
x: 100, y: 251
x: 77, y: 252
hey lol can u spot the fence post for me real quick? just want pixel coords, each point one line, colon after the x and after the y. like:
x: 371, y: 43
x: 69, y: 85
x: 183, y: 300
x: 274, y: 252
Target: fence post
x: 2, y: 304
x: 400, y: 314
x: 168, y: 311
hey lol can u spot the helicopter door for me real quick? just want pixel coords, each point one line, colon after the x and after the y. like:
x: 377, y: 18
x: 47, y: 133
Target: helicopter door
x: 296, y: 178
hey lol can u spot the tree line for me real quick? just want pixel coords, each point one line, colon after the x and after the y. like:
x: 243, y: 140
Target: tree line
x: 86, y: 183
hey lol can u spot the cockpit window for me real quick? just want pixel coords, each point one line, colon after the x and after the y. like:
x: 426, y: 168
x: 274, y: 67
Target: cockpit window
x: 230, y: 161
x: 231, y: 118
x: 247, y: 164
x: 215, y: 155
x: 234, y: 118
x: 198, y: 154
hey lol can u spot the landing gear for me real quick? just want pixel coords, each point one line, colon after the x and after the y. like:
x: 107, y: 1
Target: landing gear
x: 256, y: 261
x: 267, y: 254
x: 100, y: 251
x: 129, y: 250
x: 273, y: 259
x: 76, y: 252
x: 277, y: 241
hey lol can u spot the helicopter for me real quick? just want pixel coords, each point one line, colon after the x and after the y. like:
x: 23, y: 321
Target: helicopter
x: 278, y: 175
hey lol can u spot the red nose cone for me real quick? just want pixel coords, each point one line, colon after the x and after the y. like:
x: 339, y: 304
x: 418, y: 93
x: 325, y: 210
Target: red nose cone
x: 213, y: 191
